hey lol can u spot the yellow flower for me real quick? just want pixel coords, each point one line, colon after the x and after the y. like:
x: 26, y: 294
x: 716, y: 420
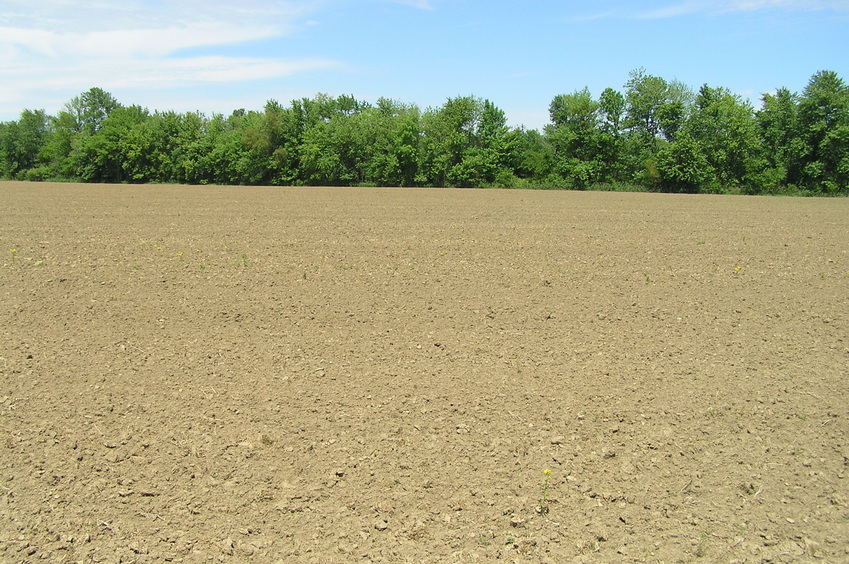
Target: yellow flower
x: 547, y: 472
x: 13, y: 251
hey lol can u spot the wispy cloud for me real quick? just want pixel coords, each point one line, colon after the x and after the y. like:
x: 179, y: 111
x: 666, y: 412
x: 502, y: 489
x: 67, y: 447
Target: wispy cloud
x: 594, y: 16
x: 797, y: 5
x: 84, y: 16
x: 736, y: 6
x: 672, y: 11
x: 71, y: 45
x: 164, y: 74
x: 121, y: 43
x: 422, y: 4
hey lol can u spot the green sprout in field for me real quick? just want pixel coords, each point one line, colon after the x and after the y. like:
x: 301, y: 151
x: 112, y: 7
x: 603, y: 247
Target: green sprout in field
x: 542, y: 508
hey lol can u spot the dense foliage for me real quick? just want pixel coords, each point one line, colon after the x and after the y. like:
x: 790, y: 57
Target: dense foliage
x: 656, y: 135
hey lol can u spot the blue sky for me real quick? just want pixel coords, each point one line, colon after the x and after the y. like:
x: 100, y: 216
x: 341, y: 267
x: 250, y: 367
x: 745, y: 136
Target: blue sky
x: 218, y: 56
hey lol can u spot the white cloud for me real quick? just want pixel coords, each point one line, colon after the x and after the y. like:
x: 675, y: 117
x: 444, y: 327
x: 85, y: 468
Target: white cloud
x: 217, y: 69
x: 37, y: 40
x: 130, y: 42
x: 732, y: 6
x: 673, y: 11
x: 84, y: 15
x: 797, y: 5
x: 594, y: 16
x: 58, y: 48
x: 422, y: 4
x: 160, y: 42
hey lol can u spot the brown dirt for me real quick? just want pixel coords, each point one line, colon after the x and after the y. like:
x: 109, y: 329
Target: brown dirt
x: 334, y: 375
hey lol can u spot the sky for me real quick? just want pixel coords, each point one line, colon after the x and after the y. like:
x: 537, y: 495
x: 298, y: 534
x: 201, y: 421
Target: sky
x: 216, y: 56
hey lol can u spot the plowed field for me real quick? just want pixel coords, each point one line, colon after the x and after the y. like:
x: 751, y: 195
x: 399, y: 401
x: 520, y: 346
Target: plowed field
x: 194, y: 374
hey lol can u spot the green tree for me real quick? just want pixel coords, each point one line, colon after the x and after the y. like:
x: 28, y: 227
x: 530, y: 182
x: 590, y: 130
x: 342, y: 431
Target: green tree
x: 322, y: 152
x: 71, y: 129
x: 21, y: 145
x: 724, y: 127
x: 783, y: 147
x: 654, y: 112
x: 406, y: 134
x: 277, y: 135
x: 530, y: 156
x: 484, y: 160
x: 463, y: 143
x: 572, y: 133
x: 586, y: 137
x: 111, y: 153
x: 447, y: 133
x: 390, y: 133
x: 612, y: 106
x: 151, y: 147
x: 577, y: 111
x: 90, y: 109
x: 612, y: 110
x: 281, y: 134
x: 338, y: 146
x: 59, y: 151
x: 655, y: 106
x: 190, y: 146
x: 682, y: 166
x: 219, y: 151
x: 824, y: 126
x: 236, y: 155
x: 671, y: 115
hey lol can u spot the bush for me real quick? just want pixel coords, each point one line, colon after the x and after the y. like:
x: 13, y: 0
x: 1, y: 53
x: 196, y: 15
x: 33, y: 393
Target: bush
x: 37, y: 174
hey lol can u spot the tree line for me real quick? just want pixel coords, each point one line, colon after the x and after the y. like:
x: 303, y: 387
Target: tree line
x: 655, y: 134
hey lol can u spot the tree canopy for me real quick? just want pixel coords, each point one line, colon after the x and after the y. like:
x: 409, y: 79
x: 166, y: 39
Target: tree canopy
x: 654, y: 134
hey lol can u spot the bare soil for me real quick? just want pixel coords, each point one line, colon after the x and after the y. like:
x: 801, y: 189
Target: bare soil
x: 233, y: 374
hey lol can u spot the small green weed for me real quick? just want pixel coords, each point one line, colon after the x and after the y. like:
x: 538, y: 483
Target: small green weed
x: 701, y: 548
x: 485, y: 539
x: 543, y: 507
